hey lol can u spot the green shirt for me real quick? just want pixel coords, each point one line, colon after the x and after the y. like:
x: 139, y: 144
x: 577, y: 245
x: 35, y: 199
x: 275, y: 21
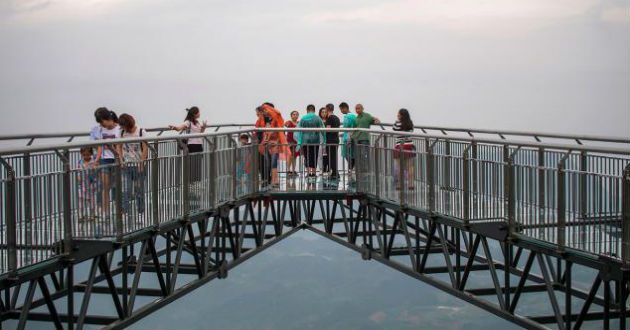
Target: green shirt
x: 364, y: 120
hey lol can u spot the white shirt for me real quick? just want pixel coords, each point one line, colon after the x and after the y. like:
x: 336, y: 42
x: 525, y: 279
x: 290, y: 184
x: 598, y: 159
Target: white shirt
x: 107, y: 134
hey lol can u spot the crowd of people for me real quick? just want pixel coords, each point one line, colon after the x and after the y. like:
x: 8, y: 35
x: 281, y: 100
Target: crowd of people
x: 319, y: 149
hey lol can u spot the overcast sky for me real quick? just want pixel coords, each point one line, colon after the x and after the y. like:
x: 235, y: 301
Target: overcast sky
x: 558, y: 66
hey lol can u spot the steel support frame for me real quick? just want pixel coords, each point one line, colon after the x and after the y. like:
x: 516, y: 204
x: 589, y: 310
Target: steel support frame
x: 223, y: 238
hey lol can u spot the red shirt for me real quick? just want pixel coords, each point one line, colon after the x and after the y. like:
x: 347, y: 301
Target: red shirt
x: 290, y: 137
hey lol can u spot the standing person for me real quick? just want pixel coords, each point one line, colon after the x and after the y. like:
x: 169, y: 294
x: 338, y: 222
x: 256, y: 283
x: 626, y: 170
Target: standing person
x: 308, y: 142
x: 347, y: 146
x: 264, y: 161
x: 270, y: 117
x: 271, y: 145
x: 362, y: 139
x: 332, y: 140
x: 404, y: 149
x: 192, y: 125
x: 95, y: 133
x: 105, y: 155
x: 291, y: 140
x: 133, y: 157
x: 323, y: 114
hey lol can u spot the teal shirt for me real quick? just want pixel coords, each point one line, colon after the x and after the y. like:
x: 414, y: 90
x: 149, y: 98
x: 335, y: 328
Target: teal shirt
x: 349, y: 121
x: 310, y: 120
x: 365, y: 120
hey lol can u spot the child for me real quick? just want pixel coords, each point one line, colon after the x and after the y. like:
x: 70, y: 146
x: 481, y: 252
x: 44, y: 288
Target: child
x: 86, y: 189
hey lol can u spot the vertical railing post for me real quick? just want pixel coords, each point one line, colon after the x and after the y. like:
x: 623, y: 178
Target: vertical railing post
x: 213, y: 172
x: 625, y: 200
x: 583, y: 179
x: 185, y: 179
x: 118, y: 198
x: 234, y: 168
x: 11, y: 217
x: 541, y: 184
x: 561, y: 207
x: 511, y: 194
x: 475, y: 178
x: 377, y: 181
x: 583, y: 199
x: 466, y: 182
x: 26, y: 172
x: 67, y: 206
x: 430, y: 176
x: 155, y: 184
x: 401, y: 175
x: 506, y: 174
x: 253, y: 171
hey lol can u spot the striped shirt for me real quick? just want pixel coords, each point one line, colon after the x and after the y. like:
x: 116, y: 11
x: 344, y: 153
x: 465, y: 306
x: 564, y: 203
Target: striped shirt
x: 402, y: 139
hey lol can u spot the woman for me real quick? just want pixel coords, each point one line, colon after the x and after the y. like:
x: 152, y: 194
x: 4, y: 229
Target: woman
x: 192, y: 125
x: 273, y: 147
x: 323, y: 115
x: 132, y: 156
x: 404, y: 151
x: 291, y: 157
x: 105, y: 157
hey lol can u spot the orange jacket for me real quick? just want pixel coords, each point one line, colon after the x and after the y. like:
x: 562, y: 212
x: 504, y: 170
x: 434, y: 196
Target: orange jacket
x: 276, y: 122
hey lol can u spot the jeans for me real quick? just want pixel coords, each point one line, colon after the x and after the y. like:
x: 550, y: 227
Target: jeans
x: 274, y: 161
x: 133, y: 183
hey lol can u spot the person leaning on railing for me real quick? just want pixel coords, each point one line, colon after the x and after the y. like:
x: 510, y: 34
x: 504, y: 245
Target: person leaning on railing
x: 404, y: 149
x: 192, y: 125
x: 362, y: 139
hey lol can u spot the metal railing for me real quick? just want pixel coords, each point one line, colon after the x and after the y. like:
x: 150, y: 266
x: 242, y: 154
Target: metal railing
x: 571, y: 196
x: 449, y: 132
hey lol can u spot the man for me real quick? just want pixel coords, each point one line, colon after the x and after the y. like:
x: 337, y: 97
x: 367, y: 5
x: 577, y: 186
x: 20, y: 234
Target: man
x: 362, y: 139
x: 332, y: 140
x: 349, y: 121
x: 308, y: 142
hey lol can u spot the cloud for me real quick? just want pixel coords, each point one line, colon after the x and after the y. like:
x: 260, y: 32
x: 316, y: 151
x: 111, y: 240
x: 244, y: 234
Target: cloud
x: 487, y: 16
x: 616, y: 14
x: 46, y: 10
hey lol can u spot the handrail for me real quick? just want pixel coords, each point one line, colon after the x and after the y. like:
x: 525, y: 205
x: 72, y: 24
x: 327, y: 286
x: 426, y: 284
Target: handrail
x: 71, y: 145
x: 502, y: 134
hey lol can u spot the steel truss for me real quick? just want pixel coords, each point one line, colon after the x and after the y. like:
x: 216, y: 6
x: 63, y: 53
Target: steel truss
x: 420, y: 244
